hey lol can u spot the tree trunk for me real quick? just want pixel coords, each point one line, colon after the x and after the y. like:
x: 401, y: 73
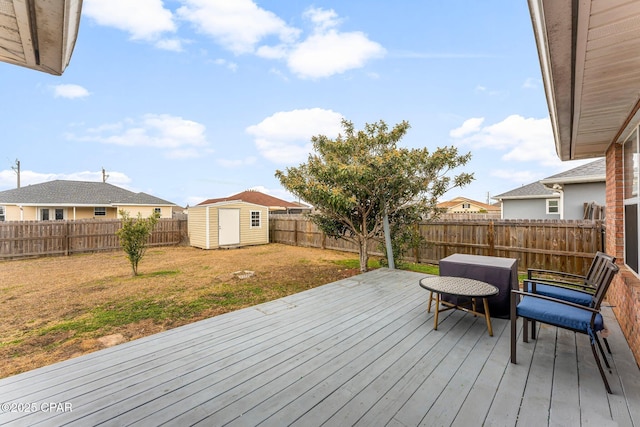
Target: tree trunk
x: 364, y: 255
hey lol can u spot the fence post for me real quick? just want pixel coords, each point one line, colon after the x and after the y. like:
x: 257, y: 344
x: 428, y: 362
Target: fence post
x: 491, y: 238
x: 66, y: 238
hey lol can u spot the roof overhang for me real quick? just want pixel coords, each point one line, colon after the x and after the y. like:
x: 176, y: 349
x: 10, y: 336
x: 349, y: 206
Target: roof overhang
x: 588, y: 52
x: 574, y: 180
x: 537, y: 196
x: 39, y: 34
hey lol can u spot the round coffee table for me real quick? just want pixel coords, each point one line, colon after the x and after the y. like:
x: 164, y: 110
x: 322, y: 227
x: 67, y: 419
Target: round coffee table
x: 461, y: 287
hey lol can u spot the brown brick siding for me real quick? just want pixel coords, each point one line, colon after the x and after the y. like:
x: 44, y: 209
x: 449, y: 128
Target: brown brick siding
x: 624, y: 293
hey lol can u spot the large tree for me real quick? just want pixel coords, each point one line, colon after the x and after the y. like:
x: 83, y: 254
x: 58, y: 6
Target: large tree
x: 357, y: 178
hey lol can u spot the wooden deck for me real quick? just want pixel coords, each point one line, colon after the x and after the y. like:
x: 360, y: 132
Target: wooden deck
x: 361, y: 351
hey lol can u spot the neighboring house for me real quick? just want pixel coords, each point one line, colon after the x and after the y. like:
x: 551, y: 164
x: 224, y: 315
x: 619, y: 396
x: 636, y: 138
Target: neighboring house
x: 228, y: 224
x: 531, y: 201
x: 74, y: 200
x: 594, y: 106
x: 275, y: 205
x: 464, y: 205
x: 561, y: 196
x: 39, y: 34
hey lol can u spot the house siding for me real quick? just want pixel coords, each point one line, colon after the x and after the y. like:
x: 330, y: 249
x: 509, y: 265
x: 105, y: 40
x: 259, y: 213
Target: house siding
x: 197, y: 228
x: 146, y: 211
x: 30, y: 213
x: 576, y: 195
x: 624, y: 293
x: 254, y: 235
x: 526, y: 209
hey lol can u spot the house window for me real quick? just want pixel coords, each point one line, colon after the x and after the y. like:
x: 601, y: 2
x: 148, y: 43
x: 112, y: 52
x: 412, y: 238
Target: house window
x: 466, y: 206
x: 157, y: 212
x: 99, y: 211
x: 631, y: 217
x: 255, y: 219
x: 59, y: 214
x: 44, y: 214
x: 2, y: 214
x: 553, y: 206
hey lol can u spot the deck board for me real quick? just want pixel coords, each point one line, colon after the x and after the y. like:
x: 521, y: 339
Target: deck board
x: 360, y: 351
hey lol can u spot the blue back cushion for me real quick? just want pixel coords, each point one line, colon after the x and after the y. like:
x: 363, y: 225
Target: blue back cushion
x: 558, y: 314
x: 571, y: 295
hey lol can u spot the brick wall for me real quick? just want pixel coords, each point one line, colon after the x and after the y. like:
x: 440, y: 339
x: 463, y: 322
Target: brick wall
x: 624, y: 293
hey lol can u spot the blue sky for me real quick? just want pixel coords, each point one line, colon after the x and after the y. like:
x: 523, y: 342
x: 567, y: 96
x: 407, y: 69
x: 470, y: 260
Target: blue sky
x: 196, y: 99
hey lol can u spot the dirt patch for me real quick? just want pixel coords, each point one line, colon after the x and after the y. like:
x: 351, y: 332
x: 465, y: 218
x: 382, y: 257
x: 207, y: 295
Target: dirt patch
x: 52, y: 309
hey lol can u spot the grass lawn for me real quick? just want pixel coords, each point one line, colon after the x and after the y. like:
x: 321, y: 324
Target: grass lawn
x: 55, y: 308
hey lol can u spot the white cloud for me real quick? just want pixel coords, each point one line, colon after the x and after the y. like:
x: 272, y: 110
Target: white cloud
x: 238, y: 25
x: 285, y: 137
x: 243, y: 27
x: 69, y: 91
x: 469, y: 126
x: 174, y: 45
x: 326, y: 54
x: 142, y: 19
x: 322, y: 19
x: 328, y: 51
x: 177, y: 137
x: 523, y: 139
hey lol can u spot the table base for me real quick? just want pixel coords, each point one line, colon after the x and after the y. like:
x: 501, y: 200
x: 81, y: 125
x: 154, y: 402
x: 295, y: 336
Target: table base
x: 451, y: 306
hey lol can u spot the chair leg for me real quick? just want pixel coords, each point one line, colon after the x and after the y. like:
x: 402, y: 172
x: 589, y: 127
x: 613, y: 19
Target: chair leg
x: 602, y: 374
x: 606, y: 343
x: 514, y: 337
x: 525, y: 330
x: 604, y: 356
x: 533, y: 329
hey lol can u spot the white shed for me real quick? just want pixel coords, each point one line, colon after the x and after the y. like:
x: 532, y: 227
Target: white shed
x: 228, y: 224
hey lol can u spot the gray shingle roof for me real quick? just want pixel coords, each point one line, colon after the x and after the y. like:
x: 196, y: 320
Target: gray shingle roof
x: 533, y: 190
x: 594, y: 171
x: 590, y: 172
x: 61, y: 192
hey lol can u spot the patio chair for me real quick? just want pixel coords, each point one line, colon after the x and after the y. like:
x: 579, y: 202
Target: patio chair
x: 564, y: 314
x: 567, y: 286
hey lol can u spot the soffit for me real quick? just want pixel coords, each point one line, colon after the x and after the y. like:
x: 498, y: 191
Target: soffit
x: 39, y: 34
x: 589, y: 53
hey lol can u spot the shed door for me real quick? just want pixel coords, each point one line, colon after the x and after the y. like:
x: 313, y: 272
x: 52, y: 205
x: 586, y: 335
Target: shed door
x: 228, y: 227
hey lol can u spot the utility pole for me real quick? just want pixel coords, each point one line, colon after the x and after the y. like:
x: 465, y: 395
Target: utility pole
x: 16, y: 169
x: 104, y: 175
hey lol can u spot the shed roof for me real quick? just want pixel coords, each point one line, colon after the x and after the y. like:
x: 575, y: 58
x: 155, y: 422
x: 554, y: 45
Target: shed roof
x: 62, y: 192
x: 257, y: 198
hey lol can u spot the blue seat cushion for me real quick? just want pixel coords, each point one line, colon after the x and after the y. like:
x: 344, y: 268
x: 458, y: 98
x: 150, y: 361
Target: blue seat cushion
x: 558, y: 314
x: 571, y: 295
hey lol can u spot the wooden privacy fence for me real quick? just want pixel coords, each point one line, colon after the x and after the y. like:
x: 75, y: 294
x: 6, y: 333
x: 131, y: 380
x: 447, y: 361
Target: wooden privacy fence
x: 24, y: 239
x: 552, y: 244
